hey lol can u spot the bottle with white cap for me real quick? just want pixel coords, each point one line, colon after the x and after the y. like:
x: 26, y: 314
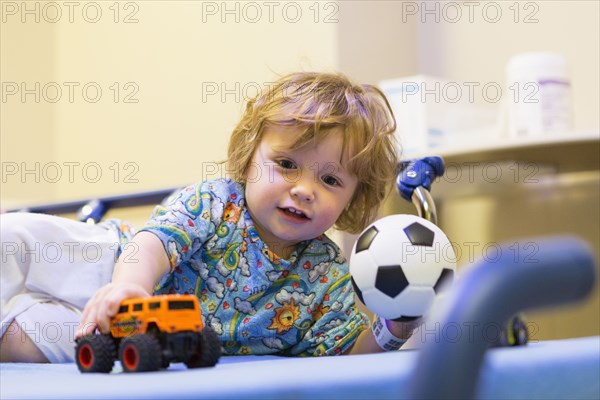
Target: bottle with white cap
x: 539, y: 95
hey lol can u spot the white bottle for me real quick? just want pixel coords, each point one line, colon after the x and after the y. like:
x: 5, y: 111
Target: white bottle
x: 539, y: 95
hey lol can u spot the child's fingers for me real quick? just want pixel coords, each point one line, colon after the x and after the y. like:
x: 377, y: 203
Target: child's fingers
x: 104, y: 305
x: 113, y: 299
x: 108, y: 304
x: 87, y: 327
x: 87, y: 324
x: 101, y: 316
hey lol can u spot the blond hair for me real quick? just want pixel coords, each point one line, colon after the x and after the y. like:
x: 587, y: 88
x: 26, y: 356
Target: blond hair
x: 317, y: 103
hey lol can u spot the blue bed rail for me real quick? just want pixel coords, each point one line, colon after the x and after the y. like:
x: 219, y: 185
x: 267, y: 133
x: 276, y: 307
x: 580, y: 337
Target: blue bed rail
x: 96, y: 208
x: 562, y: 271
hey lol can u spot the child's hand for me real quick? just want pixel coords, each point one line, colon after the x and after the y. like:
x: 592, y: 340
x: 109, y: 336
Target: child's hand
x: 104, y: 304
x: 131, y: 278
x: 403, y: 330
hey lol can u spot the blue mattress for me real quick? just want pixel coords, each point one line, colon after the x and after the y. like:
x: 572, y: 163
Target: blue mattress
x: 561, y: 369
x: 490, y: 292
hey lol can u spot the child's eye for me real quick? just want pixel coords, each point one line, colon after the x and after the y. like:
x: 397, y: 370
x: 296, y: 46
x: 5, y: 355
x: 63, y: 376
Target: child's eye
x: 286, y: 164
x: 331, y: 180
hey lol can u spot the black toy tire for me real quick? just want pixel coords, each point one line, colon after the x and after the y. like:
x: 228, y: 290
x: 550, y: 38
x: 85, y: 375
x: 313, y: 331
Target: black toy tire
x: 95, y: 353
x: 514, y: 333
x: 139, y: 353
x: 208, y: 352
x: 520, y: 332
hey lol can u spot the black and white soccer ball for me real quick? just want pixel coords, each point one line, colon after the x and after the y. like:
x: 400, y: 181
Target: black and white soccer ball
x: 398, y: 265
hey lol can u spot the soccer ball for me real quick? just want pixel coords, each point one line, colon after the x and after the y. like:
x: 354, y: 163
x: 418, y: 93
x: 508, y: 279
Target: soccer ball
x: 398, y: 265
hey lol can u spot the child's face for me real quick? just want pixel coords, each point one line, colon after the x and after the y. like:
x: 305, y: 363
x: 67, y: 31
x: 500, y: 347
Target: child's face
x: 296, y: 195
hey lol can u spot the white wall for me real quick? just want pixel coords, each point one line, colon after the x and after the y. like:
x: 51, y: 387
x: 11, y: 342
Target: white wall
x: 168, y: 52
x: 188, y: 67
x: 26, y: 50
x: 472, y: 42
x: 478, y: 51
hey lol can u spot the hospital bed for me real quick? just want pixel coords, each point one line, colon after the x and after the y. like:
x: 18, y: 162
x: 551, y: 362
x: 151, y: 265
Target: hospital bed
x: 454, y: 361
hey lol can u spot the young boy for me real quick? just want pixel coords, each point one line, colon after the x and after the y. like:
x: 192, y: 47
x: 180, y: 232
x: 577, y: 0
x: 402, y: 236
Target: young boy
x: 311, y: 152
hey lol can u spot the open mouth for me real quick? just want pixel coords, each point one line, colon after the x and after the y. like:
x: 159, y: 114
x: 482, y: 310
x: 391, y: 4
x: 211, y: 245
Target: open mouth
x: 294, y: 214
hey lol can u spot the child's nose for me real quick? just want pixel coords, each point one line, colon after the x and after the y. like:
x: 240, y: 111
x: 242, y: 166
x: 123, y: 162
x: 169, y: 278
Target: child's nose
x: 303, y: 191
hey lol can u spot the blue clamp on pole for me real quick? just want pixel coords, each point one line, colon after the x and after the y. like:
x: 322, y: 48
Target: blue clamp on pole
x: 92, y: 212
x: 414, y: 183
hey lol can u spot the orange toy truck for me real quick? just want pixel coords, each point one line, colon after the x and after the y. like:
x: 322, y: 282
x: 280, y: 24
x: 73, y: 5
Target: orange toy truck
x: 150, y: 333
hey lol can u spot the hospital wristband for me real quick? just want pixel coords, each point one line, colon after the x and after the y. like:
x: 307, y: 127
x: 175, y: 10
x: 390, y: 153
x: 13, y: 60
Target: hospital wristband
x: 384, y: 338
